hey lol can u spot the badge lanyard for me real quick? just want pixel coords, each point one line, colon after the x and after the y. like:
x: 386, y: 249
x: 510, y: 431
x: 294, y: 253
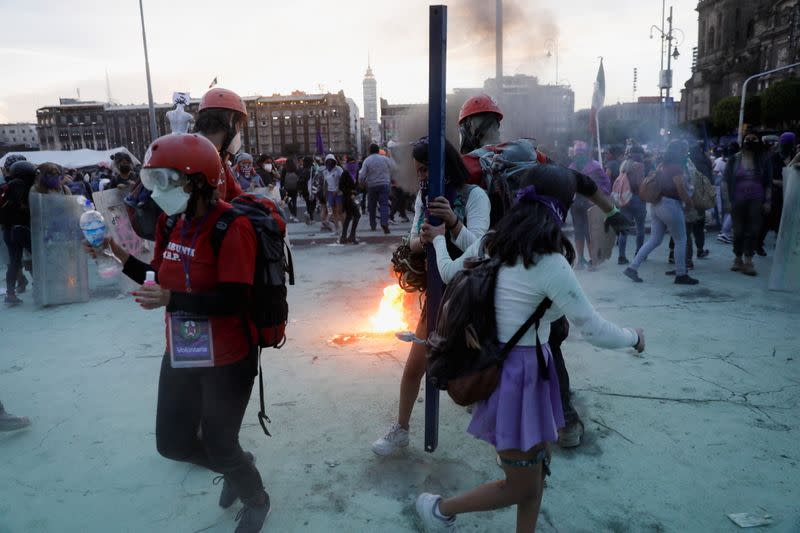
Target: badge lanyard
x: 186, y: 258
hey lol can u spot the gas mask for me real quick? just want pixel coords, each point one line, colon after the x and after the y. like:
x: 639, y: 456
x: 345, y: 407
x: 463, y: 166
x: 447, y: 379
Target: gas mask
x: 477, y: 131
x: 235, y: 145
x: 173, y: 200
x: 125, y: 168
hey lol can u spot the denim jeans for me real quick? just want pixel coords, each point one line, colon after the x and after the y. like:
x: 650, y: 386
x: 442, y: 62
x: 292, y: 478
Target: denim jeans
x: 667, y: 215
x: 636, y: 210
x: 379, y: 195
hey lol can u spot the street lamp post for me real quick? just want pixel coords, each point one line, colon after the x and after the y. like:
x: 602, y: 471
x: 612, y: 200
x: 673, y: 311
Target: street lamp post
x: 552, y: 49
x: 744, y: 93
x: 153, y: 130
x: 665, y: 76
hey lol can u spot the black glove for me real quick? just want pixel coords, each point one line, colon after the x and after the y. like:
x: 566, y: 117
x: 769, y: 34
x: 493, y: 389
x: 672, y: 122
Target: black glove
x: 620, y: 223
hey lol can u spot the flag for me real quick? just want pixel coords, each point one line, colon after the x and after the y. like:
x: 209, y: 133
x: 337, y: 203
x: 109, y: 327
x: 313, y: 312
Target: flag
x: 320, y: 146
x: 213, y: 82
x: 598, y: 98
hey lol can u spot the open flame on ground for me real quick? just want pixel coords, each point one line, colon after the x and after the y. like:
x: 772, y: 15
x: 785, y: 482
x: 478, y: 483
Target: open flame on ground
x: 390, y: 318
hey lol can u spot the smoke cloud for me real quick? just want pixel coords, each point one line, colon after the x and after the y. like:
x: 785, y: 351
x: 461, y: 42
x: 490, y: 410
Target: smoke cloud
x: 526, y: 28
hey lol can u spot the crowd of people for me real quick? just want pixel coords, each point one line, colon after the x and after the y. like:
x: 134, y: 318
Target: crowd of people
x: 207, y: 285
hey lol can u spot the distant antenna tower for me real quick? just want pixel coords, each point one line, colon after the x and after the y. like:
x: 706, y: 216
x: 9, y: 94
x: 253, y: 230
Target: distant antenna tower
x: 635, y: 82
x: 108, y: 90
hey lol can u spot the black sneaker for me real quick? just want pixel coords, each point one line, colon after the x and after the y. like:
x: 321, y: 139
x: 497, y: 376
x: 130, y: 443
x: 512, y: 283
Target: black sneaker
x: 761, y: 251
x: 623, y: 261
x: 11, y: 300
x: 631, y: 273
x: 354, y: 241
x: 228, y: 496
x: 685, y: 280
x: 702, y: 254
x: 386, y: 230
x: 252, y: 517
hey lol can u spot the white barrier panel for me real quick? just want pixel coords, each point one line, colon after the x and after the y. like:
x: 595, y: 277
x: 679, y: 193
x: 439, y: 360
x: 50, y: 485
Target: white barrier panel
x: 60, y: 266
x: 785, y: 274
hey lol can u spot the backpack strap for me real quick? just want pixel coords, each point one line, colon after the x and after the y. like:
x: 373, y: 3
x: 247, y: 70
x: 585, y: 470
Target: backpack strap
x: 221, y: 228
x: 533, y: 320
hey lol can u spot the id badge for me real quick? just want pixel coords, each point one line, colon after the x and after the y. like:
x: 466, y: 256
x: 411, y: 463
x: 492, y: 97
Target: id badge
x: 190, y: 340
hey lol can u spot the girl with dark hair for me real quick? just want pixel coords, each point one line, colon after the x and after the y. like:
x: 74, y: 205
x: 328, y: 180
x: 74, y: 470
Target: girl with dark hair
x: 668, y: 213
x: 464, y: 210
x: 523, y: 414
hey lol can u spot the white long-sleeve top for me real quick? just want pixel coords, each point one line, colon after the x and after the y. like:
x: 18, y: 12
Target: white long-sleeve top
x: 520, y: 290
x: 477, y: 211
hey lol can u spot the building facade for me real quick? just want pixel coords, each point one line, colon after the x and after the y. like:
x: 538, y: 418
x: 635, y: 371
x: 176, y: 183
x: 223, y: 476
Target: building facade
x: 543, y: 112
x: 370, y: 86
x: 737, y: 39
x: 393, y: 120
x: 19, y: 135
x: 277, y: 125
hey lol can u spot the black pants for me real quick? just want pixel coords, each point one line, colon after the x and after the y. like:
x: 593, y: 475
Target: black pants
x: 747, y: 219
x: 292, y: 202
x: 213, y: 400
x: 559, y: 331
x: 311, y: 206
x: 17, y: 239
x: 399, y: 203
x: 696, y: 230
x: 352, y: 214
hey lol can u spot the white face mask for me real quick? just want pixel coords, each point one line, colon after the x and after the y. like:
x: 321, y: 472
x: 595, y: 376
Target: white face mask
x: 236, y: 144
x: 173, y: 200
x: 268, y: 167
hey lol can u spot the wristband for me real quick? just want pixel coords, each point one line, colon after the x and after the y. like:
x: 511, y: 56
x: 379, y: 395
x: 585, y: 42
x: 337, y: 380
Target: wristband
x: 612, y: 212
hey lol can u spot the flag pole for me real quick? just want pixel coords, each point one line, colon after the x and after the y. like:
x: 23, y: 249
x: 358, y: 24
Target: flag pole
x: 597, y: 118
x: 436, y: 143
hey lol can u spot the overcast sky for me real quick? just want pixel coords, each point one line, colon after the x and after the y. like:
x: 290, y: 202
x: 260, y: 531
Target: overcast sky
x: 51, y: 48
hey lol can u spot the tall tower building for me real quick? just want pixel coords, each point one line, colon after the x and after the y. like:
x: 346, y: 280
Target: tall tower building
x: 371, y: 105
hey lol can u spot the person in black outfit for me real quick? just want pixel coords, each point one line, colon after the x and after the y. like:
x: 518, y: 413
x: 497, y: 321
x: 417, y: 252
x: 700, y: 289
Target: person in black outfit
x: 15, y: 218
x: 352, y: 213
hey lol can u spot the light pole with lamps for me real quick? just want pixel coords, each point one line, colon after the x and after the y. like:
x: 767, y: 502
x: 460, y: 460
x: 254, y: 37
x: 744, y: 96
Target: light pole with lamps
x: 153, y: 130
x: 665, y: 76
x: 552, y: 50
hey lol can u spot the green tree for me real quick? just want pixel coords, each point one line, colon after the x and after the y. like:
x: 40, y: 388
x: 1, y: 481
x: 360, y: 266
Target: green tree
x: 780, y: 103
x: 726, y: 114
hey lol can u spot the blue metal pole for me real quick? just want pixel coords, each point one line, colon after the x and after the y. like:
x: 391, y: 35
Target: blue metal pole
x: 436, y: 130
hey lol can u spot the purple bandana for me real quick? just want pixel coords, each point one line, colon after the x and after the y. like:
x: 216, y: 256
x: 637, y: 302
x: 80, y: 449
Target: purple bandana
x: 556, y: 208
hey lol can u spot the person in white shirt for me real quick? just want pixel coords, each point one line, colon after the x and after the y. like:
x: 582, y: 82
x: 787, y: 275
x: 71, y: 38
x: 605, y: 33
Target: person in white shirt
x: 464, y: 209
x: 332, y: 173
x: 523, y: 414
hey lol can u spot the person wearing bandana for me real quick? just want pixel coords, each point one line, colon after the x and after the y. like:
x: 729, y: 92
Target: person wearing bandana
x: 210, y: 361
x: 50, y: 180
x: 522, y: 417
x: 246, y: 174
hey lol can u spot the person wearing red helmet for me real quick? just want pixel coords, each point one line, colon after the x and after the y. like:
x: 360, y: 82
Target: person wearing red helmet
x: 220, y: 119
x: 210, y: 363
x: 479, y: 123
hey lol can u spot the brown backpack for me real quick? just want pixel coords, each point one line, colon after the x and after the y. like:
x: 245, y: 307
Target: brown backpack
x: 650, y: 189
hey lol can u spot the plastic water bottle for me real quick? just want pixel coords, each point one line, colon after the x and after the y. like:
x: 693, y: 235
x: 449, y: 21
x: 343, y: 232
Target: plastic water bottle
x: 150, y: 279
x: 94, y: 229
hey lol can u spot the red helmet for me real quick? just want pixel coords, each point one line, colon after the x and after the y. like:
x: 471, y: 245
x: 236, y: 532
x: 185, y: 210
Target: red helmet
x: 483, y: 103
x: 218, y: 98
x: 187, y: 153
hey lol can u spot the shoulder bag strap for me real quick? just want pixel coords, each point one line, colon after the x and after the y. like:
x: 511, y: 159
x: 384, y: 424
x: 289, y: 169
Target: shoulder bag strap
x: 533, y: 320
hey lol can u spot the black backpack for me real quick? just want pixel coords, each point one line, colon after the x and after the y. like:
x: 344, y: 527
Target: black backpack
x: 269, y: 309
x: 465, y: 356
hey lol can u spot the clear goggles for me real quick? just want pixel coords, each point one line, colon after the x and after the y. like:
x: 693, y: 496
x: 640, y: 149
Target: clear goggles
x: 162, y: 178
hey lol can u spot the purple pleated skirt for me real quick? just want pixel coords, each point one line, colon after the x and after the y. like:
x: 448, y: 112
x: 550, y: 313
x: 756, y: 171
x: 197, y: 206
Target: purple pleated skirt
x: 524, y: 409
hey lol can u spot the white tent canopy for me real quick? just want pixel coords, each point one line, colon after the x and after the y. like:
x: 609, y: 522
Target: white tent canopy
x: 72, y: 158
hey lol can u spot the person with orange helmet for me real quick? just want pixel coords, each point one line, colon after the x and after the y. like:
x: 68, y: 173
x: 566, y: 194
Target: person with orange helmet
x: 220, y: 118
x: 210, y: 363
x: 479, y: 123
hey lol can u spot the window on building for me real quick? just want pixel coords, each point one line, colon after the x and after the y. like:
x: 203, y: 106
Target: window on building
x: 711, y: 38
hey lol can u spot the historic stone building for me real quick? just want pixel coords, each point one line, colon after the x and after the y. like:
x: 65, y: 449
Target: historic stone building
x: 276, y: 124
x: 736, y: 39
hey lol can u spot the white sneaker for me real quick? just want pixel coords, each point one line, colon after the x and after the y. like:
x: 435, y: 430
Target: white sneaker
x: 396, y: 438
x: 426, y: 506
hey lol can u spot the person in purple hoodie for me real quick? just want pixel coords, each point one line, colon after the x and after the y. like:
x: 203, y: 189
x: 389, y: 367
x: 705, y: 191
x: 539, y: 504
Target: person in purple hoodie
x: 583, y: 163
